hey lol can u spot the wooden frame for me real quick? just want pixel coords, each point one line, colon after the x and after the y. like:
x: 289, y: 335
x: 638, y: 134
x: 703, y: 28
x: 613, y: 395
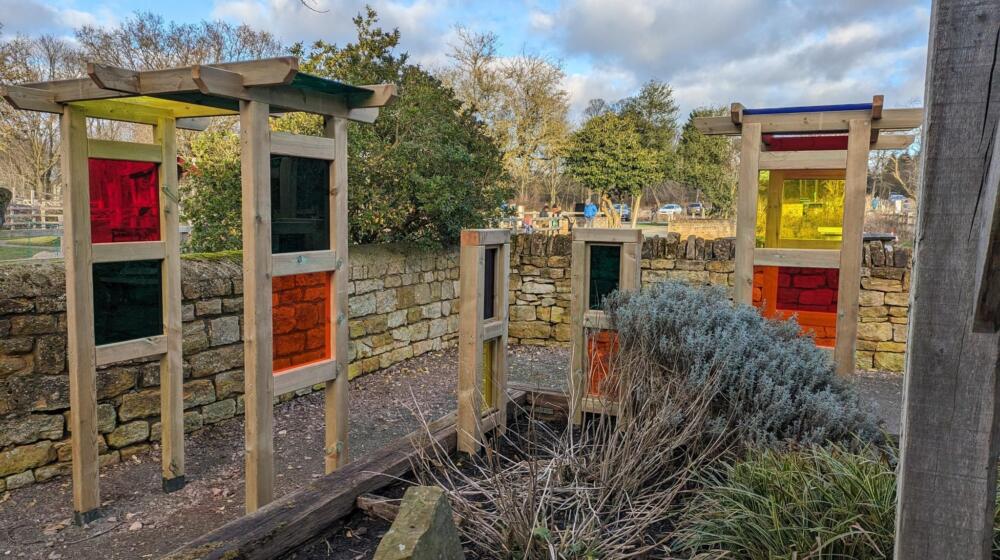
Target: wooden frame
x: 475, y: 332
x: 583, y: 318
x: 81, y: 255
x: 162, y: 98
x: 862, y: 127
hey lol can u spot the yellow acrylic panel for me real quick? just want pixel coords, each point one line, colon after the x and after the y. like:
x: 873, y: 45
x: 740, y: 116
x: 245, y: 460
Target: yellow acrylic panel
x: 811, y: 213
x: 487, y: 377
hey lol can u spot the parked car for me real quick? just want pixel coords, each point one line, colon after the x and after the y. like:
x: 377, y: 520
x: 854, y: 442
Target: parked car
x: 623, y: 210
x: 896, y: 197
x: 668, y: 209
x: 696, y: 208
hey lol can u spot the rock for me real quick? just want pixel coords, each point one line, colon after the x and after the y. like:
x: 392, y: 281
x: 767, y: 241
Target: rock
x: 33, y: 324
x: 20, y: 480
x: 199, y: 392
x: 20, y: 345
x: 217, y: 411
x: 216, y: 360
x: 25, y: 457
x: 140, y: 405
x: 208, y: 307
x: 224, y: 330
x: 130, y: 433
x: 522, y: 313
x: 49, y: 472
x: 423, y: 529
x: 870, y: 298
x: 228, y: 383
x: 882, y: 284
x: 30, y: 428
x: 878, y: 332
x: 890, y: 361
x: 50, y: 353
x: 536, y: 288
x: 529, y: 329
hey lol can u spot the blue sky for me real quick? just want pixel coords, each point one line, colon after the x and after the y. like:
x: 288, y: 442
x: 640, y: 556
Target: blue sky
x: 758, y: 52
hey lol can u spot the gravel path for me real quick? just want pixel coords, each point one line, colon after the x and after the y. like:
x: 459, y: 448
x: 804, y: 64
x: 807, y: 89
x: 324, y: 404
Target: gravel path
x: 142, y: 522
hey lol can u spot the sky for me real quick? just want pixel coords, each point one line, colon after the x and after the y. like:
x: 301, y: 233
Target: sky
x: 762, y: 53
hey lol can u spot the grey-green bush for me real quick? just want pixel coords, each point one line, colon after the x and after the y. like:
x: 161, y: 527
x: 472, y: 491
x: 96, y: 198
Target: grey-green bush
x: 774, y: 385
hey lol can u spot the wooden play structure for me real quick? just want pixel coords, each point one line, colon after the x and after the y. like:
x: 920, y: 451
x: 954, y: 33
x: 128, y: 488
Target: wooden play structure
x: 800, y: 210
x: 122, y: 244
x: 603, y: 261
x: 484, y: 264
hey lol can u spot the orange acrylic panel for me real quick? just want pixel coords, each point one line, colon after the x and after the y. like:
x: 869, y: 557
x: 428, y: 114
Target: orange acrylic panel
x: 600, y: 347
x: 301, y: 319
x: 810, y: 294
x: 124, y: 201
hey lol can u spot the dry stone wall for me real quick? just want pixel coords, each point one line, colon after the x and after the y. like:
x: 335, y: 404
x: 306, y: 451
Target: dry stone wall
x: 403, y: 303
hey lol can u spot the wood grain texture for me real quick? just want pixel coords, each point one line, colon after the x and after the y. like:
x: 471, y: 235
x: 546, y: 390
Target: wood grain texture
x: 987, y: 312
x: 948, y: 451
x: 470, y: 346
x: 746, y: 213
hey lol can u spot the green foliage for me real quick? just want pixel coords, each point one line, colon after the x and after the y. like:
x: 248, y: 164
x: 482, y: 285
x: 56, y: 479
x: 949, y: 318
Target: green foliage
x: 426, y: 168
x: 211, y: 192
x: 774, y: 385
x: 607, y: 155
x: 816, y: 503
x: 707, y: 163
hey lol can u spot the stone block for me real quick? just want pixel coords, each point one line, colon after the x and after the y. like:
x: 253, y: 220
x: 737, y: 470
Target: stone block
x: 218, y: 411
x: 19, y: 459
x: 128, y: 434
x: 116, y: 380
x: 224, y: 330
x: 14, y: 365
x: 229, y: 383
x: 50, y: 353
x: 877, y: 332
x: 899, y: 332
x: 141, y: 404
x: 195, y: 337
x: 423, y: 529
x: 891, y: 347
x: 208, y: 307
x: 48, y: 472
x: 21, y: 430
x: 529, y: 329
x: 360, y: 306
x: 882, y: 284
x: 107, y: 418
x: 16, y: 345
x: 133, y: 450
x: 876, y: 311
x: 522, y: 313
x: 871, y: 298
x: 901, y: 299
x: 863, y: 360
x: 33, y: 324
x: 20, y: 480
x: 216, y: 360
x: 197, y: 393
x: 890, y: 361
x: 535, y: 287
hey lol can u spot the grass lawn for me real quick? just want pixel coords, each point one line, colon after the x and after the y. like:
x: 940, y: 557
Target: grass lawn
x: 40, y: 241
x: 8, y: 253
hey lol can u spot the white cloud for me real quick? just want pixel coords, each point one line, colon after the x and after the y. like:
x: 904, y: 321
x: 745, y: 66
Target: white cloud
x: 32, y: 17
x: 541, y: 21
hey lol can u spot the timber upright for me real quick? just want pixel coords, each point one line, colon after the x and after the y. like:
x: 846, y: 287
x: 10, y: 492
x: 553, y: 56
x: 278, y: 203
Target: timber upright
x: 604, y: 260
x: 482, y: 335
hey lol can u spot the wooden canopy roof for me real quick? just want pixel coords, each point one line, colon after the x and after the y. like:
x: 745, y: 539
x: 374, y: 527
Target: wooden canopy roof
x: 192, y: 92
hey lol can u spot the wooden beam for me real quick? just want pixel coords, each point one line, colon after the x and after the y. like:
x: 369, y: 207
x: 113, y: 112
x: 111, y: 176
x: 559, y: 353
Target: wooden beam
x: 133, y: 151
x: 128, y: 251
x: 306, y: 262
x: 300, y: 145
x: 219, y: 82
x: 131, y: 350
x: 472, y: 259
x: 304, y: 376
x: 577, y: 309
x: 382, y: 95
x: 608, y: 235
x: 893, y: 142
x: 849, y: 285
x: 336, y: 404
x: 810, y: 258
x: 827, y: 121
x: 736, y: 113
x: 812, y: 159
x: 877, y: 102
x: 948, y: 451
x: 193, y: 123
x: 986, y: 315
x: 255, y: 165
x: 746, y: 212
x: 80, y: 316
x: 30, y: 99
x: 116, y: 79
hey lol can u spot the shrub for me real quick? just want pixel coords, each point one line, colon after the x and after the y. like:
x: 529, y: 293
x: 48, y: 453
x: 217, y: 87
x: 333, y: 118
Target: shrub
x: 816, y: 503
x: 774, y: 385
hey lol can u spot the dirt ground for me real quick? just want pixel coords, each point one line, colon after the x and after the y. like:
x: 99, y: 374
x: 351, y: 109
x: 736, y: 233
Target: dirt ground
x: 140, y: 521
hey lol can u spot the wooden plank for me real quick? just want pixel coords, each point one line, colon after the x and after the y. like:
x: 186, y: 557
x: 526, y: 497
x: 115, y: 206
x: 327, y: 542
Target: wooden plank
x: 80, y: 316
x: 577, y: 308
x: 501, y: 370
x: 947, y: 472
x: 493, y: 329
x: 287, y: 264
x: 378, y: 506
x: 193, y: 123
x: 129, y: 251
x: 110, y: 77
x: 631, y: 265
x: 304, y: 376
x: 878, y: 101
x: 308, y: 513
x: 300, y: 145
x: 172, y: 363
x: 255, y: 166
x: 132, y: 151
x: 30, y: 99
x: 608, y: 235
x: 337, y: 392
x: 382, y: 95
x: 849, y: 286
x: 219, y: 82
x: 893, y: 142
x: 772, y: 223
x: 116, y: 110
x: 596, y: 319
x: 986, y: 315
x: 813, y: 159
x: 131, y: 350
x: 812, y: 258
x: 485, y: 236
x: 736, y: 113
x: 472, y: 259
x: 827, y: 121
x: 746, y: 213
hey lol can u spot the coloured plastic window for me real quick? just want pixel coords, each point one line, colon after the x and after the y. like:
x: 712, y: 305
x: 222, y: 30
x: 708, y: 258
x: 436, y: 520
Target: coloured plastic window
x: 810, y: 294
x: 124, y: 201
x: 300, y: 204
x: 811, y: 213
x: 128, y: 301
x: 490, y: 283
x: 605, y: 272
x: 489, y: 348
x: 601, y: 345
x: 301, y: 319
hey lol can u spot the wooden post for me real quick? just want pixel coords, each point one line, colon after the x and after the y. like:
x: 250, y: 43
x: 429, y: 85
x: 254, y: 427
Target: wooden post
x: 848, y: 291
x: 255, y: 168
x: 337, y: 392
x: 578, y: 350
x: 80, y: 316
x: 947, y: 471
x: 171, y: 363
x: 746, y: 213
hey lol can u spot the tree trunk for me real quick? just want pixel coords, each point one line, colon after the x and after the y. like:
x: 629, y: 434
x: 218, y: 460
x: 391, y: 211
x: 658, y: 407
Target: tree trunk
x: 636, y: 202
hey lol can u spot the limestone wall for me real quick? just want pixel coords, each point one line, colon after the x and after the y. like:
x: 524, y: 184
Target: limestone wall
x: 403, y: 303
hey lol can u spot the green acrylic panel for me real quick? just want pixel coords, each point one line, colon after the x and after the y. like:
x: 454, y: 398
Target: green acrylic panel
x: 490, y: 283
x: 128, y: 300
x: 300, y: 204
x: 605, y: 273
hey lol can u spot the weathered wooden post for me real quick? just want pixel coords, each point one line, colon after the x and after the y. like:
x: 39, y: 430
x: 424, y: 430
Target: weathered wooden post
x: 947, y: 471
x: 482, y: 334
x: 604, y: 260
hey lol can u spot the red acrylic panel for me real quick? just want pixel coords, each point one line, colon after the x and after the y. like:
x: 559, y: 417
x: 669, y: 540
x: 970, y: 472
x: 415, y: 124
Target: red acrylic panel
x: 805, y: 143
x: 124, y: 201
x: 301, y: 319
x: 601, y: 345
x: 808, y: 293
